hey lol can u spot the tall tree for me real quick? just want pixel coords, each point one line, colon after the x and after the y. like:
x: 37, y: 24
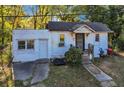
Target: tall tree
x: 43, y: 20
x: 113, y: 16
x: 2, y: 26
x: 65, y: 13
x: 116, y: 19
x: 9, y: 20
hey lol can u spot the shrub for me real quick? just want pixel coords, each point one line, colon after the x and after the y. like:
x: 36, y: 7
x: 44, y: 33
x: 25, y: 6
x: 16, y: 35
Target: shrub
x: 120, y: 43
x: 73, y: 55
x: 19, y: 83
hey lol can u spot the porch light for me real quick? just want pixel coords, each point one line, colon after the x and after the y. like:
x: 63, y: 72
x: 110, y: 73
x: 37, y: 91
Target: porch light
x: 72, y: 34
x: 87, y: 34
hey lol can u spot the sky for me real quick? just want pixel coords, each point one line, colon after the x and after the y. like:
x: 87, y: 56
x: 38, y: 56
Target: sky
x: 27, y: 9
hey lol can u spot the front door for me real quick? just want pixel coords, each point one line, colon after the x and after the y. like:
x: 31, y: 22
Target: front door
x: 43, y: 48
x: 80, y: 40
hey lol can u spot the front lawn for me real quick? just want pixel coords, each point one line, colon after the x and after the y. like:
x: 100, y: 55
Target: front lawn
x: 69, y: 76
x: 113, y: 66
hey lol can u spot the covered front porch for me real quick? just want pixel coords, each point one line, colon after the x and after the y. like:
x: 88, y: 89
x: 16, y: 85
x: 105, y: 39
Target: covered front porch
x: 83, y: 37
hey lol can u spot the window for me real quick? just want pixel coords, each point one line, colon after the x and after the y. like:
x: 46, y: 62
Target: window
x: 30, y: 44
x: 27, y: 44
x: 21, y: 44
x: 97, y: 38
x: 62, y: 39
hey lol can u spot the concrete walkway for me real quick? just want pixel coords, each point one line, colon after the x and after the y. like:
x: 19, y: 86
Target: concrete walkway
x: 104, y: 79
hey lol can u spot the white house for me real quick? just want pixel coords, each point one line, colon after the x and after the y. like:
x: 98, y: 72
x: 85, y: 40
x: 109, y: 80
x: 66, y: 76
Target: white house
x: 53, y: 42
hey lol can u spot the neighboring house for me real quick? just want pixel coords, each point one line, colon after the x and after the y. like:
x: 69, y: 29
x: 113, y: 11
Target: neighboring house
x: 30, y: 45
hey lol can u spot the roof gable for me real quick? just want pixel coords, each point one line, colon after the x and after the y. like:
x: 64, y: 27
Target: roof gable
x: 83, y: 29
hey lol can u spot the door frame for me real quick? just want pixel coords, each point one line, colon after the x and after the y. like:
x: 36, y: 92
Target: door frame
x: 83, y: 39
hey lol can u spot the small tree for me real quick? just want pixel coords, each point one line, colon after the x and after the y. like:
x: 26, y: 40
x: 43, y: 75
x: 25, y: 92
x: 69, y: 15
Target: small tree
x: 74, y: 55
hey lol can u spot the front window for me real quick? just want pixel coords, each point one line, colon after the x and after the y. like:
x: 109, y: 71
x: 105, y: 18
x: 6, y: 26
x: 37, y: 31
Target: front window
x: 30, y: 44
x: 21, y: 44
x: 26, y: 44
x: 62, y: 40
x: 97, y: 38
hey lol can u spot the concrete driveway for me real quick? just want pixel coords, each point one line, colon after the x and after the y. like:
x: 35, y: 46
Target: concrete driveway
x: 36, y: 71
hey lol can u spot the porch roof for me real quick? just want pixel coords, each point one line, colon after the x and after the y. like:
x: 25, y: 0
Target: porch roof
x: 71, y: 26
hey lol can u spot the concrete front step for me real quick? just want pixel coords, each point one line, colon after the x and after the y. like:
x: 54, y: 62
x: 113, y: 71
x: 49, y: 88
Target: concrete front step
x: 85, y: 54
x: 85, y: 58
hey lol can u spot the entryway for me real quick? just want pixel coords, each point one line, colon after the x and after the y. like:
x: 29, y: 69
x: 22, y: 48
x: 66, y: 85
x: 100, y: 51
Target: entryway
x: 80, y: 40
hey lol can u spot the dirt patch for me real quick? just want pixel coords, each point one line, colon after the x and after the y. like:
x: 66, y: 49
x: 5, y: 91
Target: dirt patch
x: 121, y: 54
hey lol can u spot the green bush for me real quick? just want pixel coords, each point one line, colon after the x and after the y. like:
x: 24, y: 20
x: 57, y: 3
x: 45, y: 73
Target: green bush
x: 73, y: 55
x: 19, y: 83
x: 120, y: 43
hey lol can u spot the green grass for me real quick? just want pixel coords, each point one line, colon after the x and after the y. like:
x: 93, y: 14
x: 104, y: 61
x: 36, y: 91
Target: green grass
x: 19, y: 83
x: 69, y: 76
x: 113, y: 66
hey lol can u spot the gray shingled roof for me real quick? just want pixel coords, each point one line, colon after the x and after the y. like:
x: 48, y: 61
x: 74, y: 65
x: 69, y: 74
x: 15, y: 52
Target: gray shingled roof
x: 71, y: 26
x: 61, y: 26
x: 97, y: 26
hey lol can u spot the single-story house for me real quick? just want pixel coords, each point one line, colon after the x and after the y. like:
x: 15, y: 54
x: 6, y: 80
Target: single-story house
x: 53, y: 42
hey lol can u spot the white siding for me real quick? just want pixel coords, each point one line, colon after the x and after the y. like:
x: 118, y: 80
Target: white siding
x: 52, y: 44
x: 89, y: 39
x: 55, y: 37
x: 103, y: 43
x: 29, y: 55
x: 52, y: 37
